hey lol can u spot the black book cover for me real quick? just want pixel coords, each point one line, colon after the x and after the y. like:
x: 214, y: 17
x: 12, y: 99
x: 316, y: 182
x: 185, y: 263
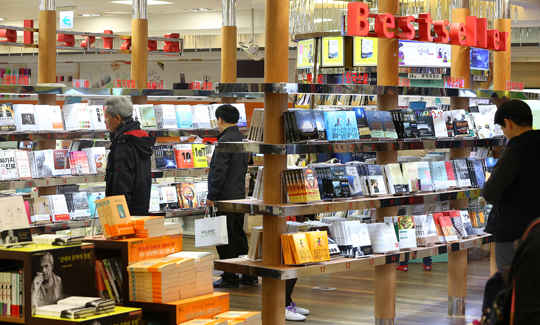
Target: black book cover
x: 319, y: 119
x: 426, y: 127
x: 410, y: 127
x: 305, y: 124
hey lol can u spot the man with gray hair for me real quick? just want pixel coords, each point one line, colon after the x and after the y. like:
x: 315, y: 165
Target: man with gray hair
x: 129, y: 164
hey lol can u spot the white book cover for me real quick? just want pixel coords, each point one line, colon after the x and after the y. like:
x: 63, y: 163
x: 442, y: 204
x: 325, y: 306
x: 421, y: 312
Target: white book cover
x: 136, y: 113
x: 483, y: 125
x: 355, y: 184
x: 76, y: 116
x: 466, y: 222
x: 167, y: 116
x: 359, y: 236
x: 97, y: 117
x: 212, y: 113
x: 201, y: 117
x: 97, y: 159
x: 439, y: 123
x: 13, y: 213
x: 242, y: 121
x: 154, y: 199
x: 383, y: 237
x: 25, y: 117
x: 58, y: 207
x: 406, y: 231
x: 23, y: 164
x: 184, y: 118
x: 8, y: 165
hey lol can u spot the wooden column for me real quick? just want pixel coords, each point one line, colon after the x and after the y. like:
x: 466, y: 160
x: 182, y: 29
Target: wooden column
x: 502, y: 59
x: 139, y: 56
x: 457, y: 282
x: 47, y: 73
x: 228, y: 58
x: 276, y: 70
x: 461, y: 64
x: 387, y: 75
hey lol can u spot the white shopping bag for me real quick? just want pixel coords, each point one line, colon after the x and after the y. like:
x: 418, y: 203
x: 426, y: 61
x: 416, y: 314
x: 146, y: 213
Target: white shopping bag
x: 211, y: 231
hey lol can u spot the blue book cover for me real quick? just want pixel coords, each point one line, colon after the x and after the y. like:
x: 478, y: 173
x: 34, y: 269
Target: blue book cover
x: 319, y: 119
x: 305, y: 124
x: 335, y: 125
x: 375, y: 123
x: 352, y: 127
x: 388, y: 125
x: 490, y: 164
x: 184, y: 119
x: 439, y: 176
x: 361, y: 121
x: 479, y: 171
x: 425, y: 175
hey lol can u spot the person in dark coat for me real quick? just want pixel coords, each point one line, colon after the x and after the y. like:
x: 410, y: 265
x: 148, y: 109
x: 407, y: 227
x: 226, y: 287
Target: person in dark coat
x: 129, y: 163
x: 513, y: 185
x: 227, y: 181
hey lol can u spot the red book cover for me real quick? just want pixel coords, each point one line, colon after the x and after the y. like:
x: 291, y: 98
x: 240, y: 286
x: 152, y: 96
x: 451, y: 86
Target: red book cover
x: 60, y: 159
x: 184, y: 156
x: 450, y: 173
x: 189, y: 198
x: 437, y: 218
x: 448, y: 229
x: 27, y: 207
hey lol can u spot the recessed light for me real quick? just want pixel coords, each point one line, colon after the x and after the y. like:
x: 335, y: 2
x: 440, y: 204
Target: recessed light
x: 86, y: 15
x: 150, y: 2
x: 204, y: 9
x: 197, y: 9
x: 1, y: 18
x: 96, y: 15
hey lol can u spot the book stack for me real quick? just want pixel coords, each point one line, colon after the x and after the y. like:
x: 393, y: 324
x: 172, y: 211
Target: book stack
x: 149, y: 227
x: 204, y: 262
x: 247, y: 317
x: 296, y: 249
x: 187, y: 277
x: 58, y: 240
x: 12, y: 290
x: 255, y: 244
x: 114, y: 216
x: 109, y: 279
x: 197, y: 321
x: 64, y: 311
x: 154, y: 280
x: 301, y: 185
x: 102, y: 306
x: 173, y: 228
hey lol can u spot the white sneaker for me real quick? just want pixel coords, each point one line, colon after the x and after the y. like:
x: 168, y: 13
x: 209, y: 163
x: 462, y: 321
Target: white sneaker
x: 291, y: 314
x: 301, y: 311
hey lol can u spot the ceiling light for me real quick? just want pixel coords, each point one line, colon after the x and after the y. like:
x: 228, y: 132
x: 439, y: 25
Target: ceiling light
x: 150, y: 2
x: 86, y: 15
x: 1, y: 18
x: 204, y: 9
x: 198, y: 9
x: 96, y: 15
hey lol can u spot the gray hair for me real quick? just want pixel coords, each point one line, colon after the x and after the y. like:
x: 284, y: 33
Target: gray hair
x: 118, y: 105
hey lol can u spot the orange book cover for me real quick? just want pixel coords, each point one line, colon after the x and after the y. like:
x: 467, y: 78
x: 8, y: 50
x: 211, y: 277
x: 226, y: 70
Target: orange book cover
x: 288, y: 258
x: 318, y: 245
x: 310, y: 185
x: 184, y: 156
x: 299, y: 178
x: 140, y: 249
x: 186, y: 191
x: 239, y: 315
x: 119, y: 219
x: 300, y: 248
x: 291, y: 189
x: 208, y: 305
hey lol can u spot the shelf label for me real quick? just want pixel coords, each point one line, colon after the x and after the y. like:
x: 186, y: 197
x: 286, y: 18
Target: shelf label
x: 80, y: 83
x: 514, y: 85
x: 454, y: 82
x: 402, y: 82
x: 481, y: 78
x: 197, y: 85
x: 13, y: 80
x: 121, y: 83
x: 156, y: 85
x: 357, y: 78
x: 425, y: 76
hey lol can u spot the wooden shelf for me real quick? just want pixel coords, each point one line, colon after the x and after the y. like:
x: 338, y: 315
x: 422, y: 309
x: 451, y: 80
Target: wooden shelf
x: 253, y: 206
x: 356, y: 146
x: 342, y: 264
x: 12, y: 319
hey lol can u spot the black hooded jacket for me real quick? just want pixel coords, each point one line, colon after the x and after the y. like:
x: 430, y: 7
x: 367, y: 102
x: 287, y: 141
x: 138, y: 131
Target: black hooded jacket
x: 129, y: 167
x: 513, y: 188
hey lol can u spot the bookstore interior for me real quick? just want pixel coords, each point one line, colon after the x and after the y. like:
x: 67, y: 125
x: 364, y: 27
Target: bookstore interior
x: 371, y: 131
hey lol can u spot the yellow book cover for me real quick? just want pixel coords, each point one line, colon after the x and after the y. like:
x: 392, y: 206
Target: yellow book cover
x: 119, y: 217
x: 318, y: 245
x: 311, y: 186
x: 288, y: 257
x: 240, y: 315
x: 300, y: 248
x: 199, y: 152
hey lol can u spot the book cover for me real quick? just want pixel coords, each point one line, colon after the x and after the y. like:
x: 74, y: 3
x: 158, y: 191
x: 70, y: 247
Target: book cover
x: 407, y: 232
x: 425, y: 175
x: 7, y: 117
x: 388, y: 125
x: 165, y: 116
x: 466, y: 221
x: 484, y: 126
x: 375, y: 122
x: 305, y: 124
x: 438, y: 175
x: 460, y: 121
x: 439, y: 123
x: 78, y: 163
x: 351, y: 126
x: 184, y: 156
x: 169, y: 157
x: 318, y: 245
x: 188, y: 195
x: 97, y: 159
x: 23, y: 164
x: 450, y: 174
x: 184, y: 118
x: 355, y: 184
x: 300, y: 248
x: 320, y: 124
x: 58, y: 161
x: 199, y: 153
x: 201, y: 117
x: 311, y: 186
x: 490, y: 164
x: 479, y: 171
x: 426, y: 233
x: 58, y: 207
x: 449, y: 120
x: 242, y: 120
x: 376, y: 180
x: 76, y: 116
x: 8, y: 165
x: 39, y: 210
x: 395, y: 178
x: 148, y: 116
x: 410, y: 172
x: 13, y: 213
x: 335, y: 125
x: 462, y: 172
x: 362, y: 123
x: 409, y: 123
x: 118, y: 220
x: 426, y: 127
x: 97, y: 117
x: 359, y: 238
x: 25, y: 117
x: 448, y: 229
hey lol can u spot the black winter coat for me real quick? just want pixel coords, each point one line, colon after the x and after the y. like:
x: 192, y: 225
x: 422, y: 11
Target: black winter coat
x: 227, y: 175
x: 513, y: 188
x: 129, y: 167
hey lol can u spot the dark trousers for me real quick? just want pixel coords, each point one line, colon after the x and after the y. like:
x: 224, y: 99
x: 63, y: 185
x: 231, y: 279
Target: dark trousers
x: 289, y: 288
x: 427, y: 261
x: 238, y: 243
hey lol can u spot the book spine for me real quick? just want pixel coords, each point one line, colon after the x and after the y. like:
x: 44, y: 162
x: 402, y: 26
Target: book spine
x: 21, y: 292
x: 118, y: 266
x: 295, y: 128
x: 112, y: 280
x: 14, y: 294
x: 105, y: 279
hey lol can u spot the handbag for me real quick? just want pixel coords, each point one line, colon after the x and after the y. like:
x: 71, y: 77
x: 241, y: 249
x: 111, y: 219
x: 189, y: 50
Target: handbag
x: 211, y: 230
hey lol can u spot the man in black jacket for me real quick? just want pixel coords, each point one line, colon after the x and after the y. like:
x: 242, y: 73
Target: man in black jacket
x: 129, y: 163
x: 227, y: 181
x: 513, y: 186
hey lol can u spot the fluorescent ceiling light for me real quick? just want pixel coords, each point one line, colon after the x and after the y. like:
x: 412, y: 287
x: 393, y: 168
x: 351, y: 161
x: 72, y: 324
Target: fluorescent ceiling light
x: 197, y: 9
x: 1, y: 18
x: 150, y: 2
x: 86, y: 15
x: 96, y: 15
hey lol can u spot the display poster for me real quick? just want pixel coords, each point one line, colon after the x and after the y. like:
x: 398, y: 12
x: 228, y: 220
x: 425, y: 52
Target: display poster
x: 365, y: 51
x: 424, y: 55
x: 332, y: 52
x: 305, y: 54
x: 102, y: 75
x: 479, y: 59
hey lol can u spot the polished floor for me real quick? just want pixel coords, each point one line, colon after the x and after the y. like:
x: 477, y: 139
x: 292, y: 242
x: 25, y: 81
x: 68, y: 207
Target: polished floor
x: 421, y: 295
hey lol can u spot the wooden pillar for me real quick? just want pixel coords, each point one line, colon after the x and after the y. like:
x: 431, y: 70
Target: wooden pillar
x: 387, y: 75
x: 228, y: 58
x: 492, y: 261
x: 276, y: 70
x: 457, y: 282
x: 502, y: 59
x: 461, y: 65
x: 139, y: 56
x: 47, y: 70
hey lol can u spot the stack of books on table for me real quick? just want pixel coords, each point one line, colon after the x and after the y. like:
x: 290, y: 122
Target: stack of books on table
x: 65, y: 311
x: 187, y: 277
x: 102, y: 306
x: 204, y: 264
x: 148, y: 227
x: 154, y: 280
x: 207, y: 322
x: 245, y: 317
x: 174, y: 228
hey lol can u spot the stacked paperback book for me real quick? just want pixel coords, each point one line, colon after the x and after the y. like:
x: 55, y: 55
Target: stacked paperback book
x: 101, y: 306
x: 114, y: 216
x: 148, y: 227
x: 305, y: 247
x: 245, y: 317
x: 204, y: 262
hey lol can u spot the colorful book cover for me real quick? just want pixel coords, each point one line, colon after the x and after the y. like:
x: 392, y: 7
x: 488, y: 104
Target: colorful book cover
x: 447, y: 228
x: 199, y: 153
x: 388, y: 125
x: 311, y: 185
x: 479, y: 171
x: 450, y: 174
x: 438, y: 175
x: 425, y: 175
x: 188, y: 195
x: 375, y: 122
x: 449, y: 120
x: 7, y: 117
x: 321, y: 125
x: 461, y: 123
x: 351, y: 126
x: 318, y: 245
x: 184, y: 156
x: 439, y: 123
x: 78, y: 163
x: 362, y: 123
x: 61, y: 163
x: 410, y: 171
x: 148, y: 117
x: 300, y: 248
x: 335, y: 125
x: 184, y: 118
x: 406, y: 231
x: 305, y: 124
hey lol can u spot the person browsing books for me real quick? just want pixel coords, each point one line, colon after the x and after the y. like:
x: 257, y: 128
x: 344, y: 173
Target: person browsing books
x: 128, y: 169
x: 513, y: 187
x: 227, y: 181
